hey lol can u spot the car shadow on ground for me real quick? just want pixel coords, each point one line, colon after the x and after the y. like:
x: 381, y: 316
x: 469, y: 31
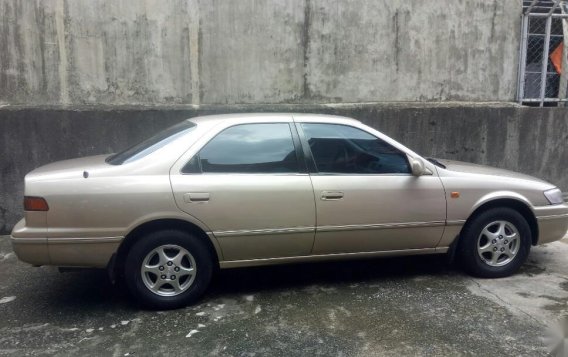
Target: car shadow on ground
x: 298, y: 276
x: 89, y: 291
x: 92, y: 289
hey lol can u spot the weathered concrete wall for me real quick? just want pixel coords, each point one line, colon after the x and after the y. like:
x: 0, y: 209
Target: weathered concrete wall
x: 530, y: 140
x: 250, y: 51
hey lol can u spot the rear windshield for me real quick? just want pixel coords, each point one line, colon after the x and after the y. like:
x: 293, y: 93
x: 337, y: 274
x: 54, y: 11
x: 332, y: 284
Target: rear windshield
x: 152, y: 144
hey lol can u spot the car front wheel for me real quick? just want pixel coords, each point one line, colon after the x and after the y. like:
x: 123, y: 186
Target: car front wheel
x: 495, y: 243
x: 168, y: 269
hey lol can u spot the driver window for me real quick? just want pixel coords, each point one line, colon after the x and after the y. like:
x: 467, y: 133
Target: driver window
x: 344, y: 149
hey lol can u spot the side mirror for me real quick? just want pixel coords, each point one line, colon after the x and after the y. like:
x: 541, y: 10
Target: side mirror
x: 417, y: 166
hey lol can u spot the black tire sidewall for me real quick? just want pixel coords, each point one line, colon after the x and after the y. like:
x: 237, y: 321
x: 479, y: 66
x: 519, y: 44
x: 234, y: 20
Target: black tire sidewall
x: 134, y: 259
x: 470, y: 259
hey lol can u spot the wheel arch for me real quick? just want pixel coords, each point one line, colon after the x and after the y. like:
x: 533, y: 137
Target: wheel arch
x: 519, y: 205
x: 161, y: 224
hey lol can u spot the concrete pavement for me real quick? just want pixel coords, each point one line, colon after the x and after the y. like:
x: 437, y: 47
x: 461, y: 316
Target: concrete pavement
x: 398, y: 306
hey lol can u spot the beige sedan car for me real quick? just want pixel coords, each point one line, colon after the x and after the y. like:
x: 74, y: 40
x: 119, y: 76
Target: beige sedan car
x: 254, y: 189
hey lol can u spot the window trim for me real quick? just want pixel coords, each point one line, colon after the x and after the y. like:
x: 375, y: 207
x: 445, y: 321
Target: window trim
x: 301, y: 169
x: 312, y: 162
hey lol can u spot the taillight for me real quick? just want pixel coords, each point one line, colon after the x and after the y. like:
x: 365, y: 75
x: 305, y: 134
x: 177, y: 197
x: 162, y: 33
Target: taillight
x: 35, y: 204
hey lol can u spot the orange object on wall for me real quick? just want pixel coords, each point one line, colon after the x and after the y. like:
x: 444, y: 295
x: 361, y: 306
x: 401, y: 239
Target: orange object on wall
x: 556, y: 58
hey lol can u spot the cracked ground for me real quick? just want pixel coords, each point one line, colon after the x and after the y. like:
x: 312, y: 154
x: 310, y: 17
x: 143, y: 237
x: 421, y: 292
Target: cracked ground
x: 383, y: 307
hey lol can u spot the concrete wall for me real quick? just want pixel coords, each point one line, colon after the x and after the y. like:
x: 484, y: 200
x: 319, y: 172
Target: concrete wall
x: 81, y: 77
x: 530, y: 140
x: 126, y: 52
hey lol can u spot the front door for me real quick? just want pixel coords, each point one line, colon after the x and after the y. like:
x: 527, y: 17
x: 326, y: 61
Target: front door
x: 366, y: 197
x: 245, y: 184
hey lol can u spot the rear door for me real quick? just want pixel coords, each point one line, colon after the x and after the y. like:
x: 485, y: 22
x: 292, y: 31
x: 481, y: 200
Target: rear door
x: 248, y: 186
x: 366, y: 197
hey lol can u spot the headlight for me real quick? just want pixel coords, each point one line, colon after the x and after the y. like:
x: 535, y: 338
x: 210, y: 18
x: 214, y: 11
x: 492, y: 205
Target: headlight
x: 554, y: 196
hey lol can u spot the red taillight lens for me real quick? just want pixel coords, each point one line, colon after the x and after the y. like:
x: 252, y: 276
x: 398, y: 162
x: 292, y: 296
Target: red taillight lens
x: 35, y: 204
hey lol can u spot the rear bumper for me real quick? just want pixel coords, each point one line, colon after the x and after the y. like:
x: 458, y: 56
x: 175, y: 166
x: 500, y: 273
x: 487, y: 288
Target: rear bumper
x: 552, y: 222
x: 31, y: 250
x: 63, y: 252
x: 30, y: 244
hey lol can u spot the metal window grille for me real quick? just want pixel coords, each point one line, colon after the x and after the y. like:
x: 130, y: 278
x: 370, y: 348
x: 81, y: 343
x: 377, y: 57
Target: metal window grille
x: 543, y: 64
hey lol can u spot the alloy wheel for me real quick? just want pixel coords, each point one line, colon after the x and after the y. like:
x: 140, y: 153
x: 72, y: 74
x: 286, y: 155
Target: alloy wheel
x: 168, y: 270
x: 498, y: 243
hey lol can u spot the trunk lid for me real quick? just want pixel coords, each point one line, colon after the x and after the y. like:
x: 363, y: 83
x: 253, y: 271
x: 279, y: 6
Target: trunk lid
x: 73, y: 168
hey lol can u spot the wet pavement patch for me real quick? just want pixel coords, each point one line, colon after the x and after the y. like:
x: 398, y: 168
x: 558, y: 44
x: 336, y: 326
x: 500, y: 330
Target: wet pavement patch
x: 532, y: 270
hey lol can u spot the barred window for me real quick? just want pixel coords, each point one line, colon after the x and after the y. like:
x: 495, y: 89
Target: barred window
x: 542, y: 72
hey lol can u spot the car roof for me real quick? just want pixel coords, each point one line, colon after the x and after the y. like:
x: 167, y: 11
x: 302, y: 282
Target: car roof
x: 254, y: 117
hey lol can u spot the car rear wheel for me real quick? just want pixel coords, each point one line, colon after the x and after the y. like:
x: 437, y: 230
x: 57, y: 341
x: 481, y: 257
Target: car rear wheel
x: 495, y: 243
x: 168, y: 269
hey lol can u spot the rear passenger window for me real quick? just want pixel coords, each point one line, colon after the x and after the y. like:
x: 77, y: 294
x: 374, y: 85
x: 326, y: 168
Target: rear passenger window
x: 247, y: 148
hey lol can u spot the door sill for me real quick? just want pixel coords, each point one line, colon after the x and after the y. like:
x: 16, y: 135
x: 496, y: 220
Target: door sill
x: 322, y: 257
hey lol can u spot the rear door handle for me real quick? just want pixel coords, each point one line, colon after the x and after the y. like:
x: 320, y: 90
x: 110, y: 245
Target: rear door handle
x: 196, y: 197
x: 331, y: 195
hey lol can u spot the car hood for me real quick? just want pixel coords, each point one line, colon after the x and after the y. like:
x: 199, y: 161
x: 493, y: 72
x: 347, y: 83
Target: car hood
x: 466, y: 167
x: 73, y: 168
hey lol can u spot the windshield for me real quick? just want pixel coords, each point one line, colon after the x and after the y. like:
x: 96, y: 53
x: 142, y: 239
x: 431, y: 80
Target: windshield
x: 152, y: 144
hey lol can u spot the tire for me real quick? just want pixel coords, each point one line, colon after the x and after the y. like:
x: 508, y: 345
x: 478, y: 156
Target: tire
x: 495, y: 243
x: 178, y: 263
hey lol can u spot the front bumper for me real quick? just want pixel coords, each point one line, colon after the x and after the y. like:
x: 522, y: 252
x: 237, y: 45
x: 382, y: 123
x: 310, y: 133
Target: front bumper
x: 34, y: 248
x: 552, y: 222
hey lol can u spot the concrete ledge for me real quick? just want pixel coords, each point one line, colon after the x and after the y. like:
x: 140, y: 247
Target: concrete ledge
x: 525, y: 139
x: 265, y: 106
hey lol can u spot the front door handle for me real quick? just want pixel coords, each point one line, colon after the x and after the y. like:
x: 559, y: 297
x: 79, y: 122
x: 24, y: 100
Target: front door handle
x: 196, y: 197
x: 331, y: 195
